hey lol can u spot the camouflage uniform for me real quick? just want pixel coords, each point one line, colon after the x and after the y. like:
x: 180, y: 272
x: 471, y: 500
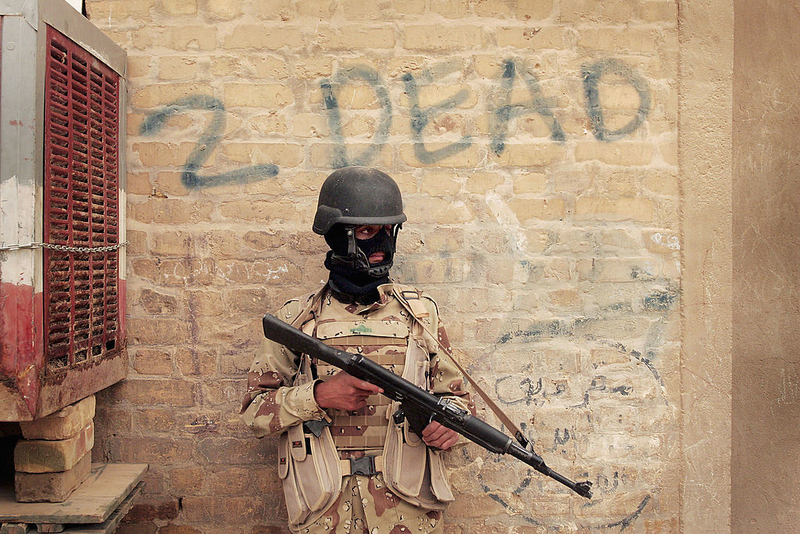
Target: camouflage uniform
x: 276, y: 403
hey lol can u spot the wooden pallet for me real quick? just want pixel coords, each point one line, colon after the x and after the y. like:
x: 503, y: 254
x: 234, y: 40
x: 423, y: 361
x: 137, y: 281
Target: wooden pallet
x: 97, y: 506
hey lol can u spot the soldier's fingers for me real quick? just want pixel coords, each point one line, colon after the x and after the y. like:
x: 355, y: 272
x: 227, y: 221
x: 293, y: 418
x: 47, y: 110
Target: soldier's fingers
x: 433, y: 430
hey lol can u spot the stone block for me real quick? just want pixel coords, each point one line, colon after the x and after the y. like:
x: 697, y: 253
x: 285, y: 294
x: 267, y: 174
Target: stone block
x: 63, y: 424
x: 52, y: 456
x: 52, y: 487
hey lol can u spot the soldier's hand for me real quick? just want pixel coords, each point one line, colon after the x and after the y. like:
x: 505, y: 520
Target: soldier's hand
x: 343, y: 391
x: 439, y: 436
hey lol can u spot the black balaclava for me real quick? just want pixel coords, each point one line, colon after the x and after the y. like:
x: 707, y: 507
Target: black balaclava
x: 352, y: 278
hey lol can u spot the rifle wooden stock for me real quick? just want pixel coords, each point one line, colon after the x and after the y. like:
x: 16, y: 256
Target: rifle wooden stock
x: 418, y: 404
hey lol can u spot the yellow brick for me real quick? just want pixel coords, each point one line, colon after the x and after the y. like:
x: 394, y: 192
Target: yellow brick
x: 251, y: 301
x: 659, y: 11
x: 438, y: 184
x: 622, y: 183
x: 156, y: 303
x: 259, y: 210
x: 617, y: 153
x: 441, y: 38
x: 196, y: 362
x: 152, y: 362
x: 223, y: 9
x: 179, y: 7
x: 153, y: 154
x: 453, y: 9
x: 359, y: 126
x: 357, y: 95
x: 489, y: 66
x: 355, y: 37
x: 522, y: 9
x: 482, y: 182
x: 177, y: 68
x: 617, y: 11
x: 138, y: 183
x: 310, y: 125
x: 616, y: 94
x: 409, y: 7
x: 120, y: 10
x: 268, y: 124
x: 270, y: 67
x: 438, y: 211
x: 469, y: 157
x: 225, y: 66
x: 529, y: 155
x: 538, y: 240
x: 172, y: 243
x: 398, y: 66
x: 314, y: 68
x: 170, y: 211
x: 168, y: 183
x: 531, y: 37
x: 321, y: 9
x: 139, y: 66
x: 281, y: 154
x: 273, y: 10
x: 360, y: 10
x: 533, y: 182
x: 618, y: 40
x: 253, y: 95
x: 664, y: 242
x: 537, y: 208
x: 322, y: 154
x: 156, y: 95
x: 664, y: 183
x: 565, y: 298
x: 432, y: 95
x: 192, y: 38
x: 638, y: 209
x: 259, y: 37
x: 206, y: 303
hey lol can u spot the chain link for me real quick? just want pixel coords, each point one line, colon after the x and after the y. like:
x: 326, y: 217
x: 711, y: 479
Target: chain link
x: 62, y: 248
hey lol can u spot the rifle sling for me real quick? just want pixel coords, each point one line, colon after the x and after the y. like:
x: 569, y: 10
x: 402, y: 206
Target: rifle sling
x: 485, y: 396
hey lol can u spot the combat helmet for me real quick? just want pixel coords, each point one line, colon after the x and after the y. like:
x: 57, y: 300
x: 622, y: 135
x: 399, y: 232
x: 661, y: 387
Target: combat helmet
x: 353, y: 196
x: 358, y: 195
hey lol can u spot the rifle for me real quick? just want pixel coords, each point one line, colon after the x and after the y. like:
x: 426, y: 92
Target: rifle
x: 418, y: 406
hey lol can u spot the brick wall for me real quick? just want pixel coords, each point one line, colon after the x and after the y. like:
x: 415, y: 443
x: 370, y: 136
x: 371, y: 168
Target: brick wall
x: 536, y: 147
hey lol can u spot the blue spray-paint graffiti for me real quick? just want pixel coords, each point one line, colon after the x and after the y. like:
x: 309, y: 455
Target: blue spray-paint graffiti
x: 592, y: 74
x: 506, y: 111
x: 500, y: 117
x: 330, y: 89
x: 420, y: 118
x: 205, y: 144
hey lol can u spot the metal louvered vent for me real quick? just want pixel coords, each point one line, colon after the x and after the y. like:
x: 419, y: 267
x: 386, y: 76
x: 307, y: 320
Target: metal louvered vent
x: 81, y: 205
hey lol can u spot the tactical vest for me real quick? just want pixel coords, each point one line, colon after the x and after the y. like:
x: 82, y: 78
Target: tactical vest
x: 379, y: 336
x: 392, y: 336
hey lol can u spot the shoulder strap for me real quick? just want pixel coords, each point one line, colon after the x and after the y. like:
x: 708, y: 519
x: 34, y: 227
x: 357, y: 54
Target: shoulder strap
x: 402, y: 293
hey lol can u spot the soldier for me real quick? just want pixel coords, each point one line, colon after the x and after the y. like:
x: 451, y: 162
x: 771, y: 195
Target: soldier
x: 347, y: 463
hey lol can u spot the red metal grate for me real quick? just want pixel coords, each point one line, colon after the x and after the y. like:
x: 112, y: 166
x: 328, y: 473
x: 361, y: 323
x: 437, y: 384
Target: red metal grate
x: 81, y: 205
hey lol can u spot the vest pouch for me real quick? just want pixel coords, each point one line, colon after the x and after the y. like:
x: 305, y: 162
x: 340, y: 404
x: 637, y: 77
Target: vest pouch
x: 311, y: 472
x: 440, y: 486
x: 295, y: 503
x: 406, y: 467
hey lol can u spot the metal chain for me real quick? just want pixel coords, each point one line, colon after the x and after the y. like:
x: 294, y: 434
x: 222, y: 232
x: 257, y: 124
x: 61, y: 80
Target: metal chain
x: 62, y: 248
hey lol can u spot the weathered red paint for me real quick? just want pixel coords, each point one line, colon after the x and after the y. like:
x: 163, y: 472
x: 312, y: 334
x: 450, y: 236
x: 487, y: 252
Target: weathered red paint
x: 20, y: 361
